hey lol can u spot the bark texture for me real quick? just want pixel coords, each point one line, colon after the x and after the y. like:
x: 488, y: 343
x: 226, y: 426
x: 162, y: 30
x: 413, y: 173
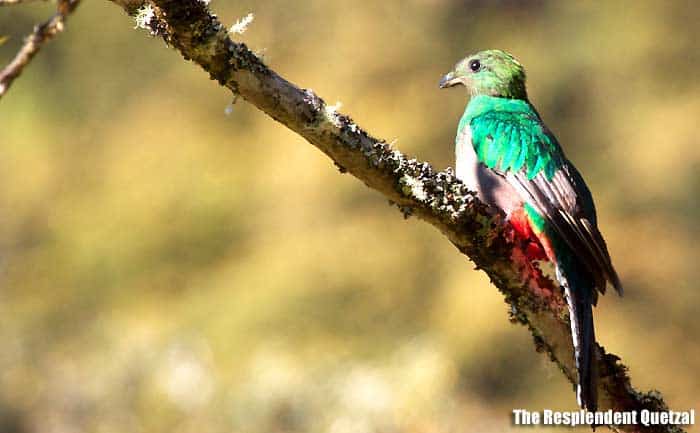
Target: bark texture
x: 414, y: 187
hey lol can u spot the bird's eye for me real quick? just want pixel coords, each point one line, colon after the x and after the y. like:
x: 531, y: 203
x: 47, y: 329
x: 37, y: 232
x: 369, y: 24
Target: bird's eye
x: 474, y: 65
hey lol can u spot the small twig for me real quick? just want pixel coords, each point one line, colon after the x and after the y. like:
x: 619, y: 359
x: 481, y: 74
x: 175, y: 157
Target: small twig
x: 33, y: 43
x: 15, y: 2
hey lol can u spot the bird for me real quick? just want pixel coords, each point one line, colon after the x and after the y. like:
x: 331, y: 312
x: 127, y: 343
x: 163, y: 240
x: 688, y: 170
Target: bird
x: 512, y: 160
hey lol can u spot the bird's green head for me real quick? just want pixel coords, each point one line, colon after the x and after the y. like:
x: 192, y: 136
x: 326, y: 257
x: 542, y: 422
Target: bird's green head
x: 491, y: 72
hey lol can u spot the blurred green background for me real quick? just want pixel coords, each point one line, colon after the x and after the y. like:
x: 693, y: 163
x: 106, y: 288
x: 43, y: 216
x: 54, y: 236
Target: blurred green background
x: 166, y: 267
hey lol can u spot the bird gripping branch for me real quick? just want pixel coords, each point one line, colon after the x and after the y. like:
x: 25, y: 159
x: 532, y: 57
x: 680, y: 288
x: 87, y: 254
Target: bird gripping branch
x: 506, y: 153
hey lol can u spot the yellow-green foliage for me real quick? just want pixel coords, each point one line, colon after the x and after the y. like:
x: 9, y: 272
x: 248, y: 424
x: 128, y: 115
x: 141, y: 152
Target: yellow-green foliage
x: 168, y: 268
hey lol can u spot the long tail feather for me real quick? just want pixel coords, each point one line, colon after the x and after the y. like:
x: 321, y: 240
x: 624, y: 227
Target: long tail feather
x: 579, y: 297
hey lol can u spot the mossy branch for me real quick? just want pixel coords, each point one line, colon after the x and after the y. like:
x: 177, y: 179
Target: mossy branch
x: 416, y: 189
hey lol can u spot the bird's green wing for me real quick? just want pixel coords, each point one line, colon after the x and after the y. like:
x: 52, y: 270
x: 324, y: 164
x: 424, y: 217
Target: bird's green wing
x: 512, y: 140
x: 515, y: 141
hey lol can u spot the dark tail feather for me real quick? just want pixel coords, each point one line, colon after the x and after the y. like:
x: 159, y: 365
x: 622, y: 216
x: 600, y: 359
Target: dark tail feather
x: 580, y: 300
x: 586, y: 391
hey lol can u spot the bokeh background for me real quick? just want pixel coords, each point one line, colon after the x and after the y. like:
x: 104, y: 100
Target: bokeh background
x: 166, y: 267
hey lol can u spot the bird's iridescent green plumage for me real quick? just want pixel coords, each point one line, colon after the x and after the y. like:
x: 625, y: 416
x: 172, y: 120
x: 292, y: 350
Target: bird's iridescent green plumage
x: 508, y: 135
x: 501, y: 75
x: 511, y: 159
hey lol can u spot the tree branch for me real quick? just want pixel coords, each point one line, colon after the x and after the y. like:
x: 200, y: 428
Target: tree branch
x: 33, y: 43
x: 416, y: 189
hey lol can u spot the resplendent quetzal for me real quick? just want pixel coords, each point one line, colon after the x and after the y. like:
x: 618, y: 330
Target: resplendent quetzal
x: 508, y: 156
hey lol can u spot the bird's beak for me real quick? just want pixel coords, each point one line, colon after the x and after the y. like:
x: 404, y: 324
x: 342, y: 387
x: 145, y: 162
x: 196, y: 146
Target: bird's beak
x: 449, y: 80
